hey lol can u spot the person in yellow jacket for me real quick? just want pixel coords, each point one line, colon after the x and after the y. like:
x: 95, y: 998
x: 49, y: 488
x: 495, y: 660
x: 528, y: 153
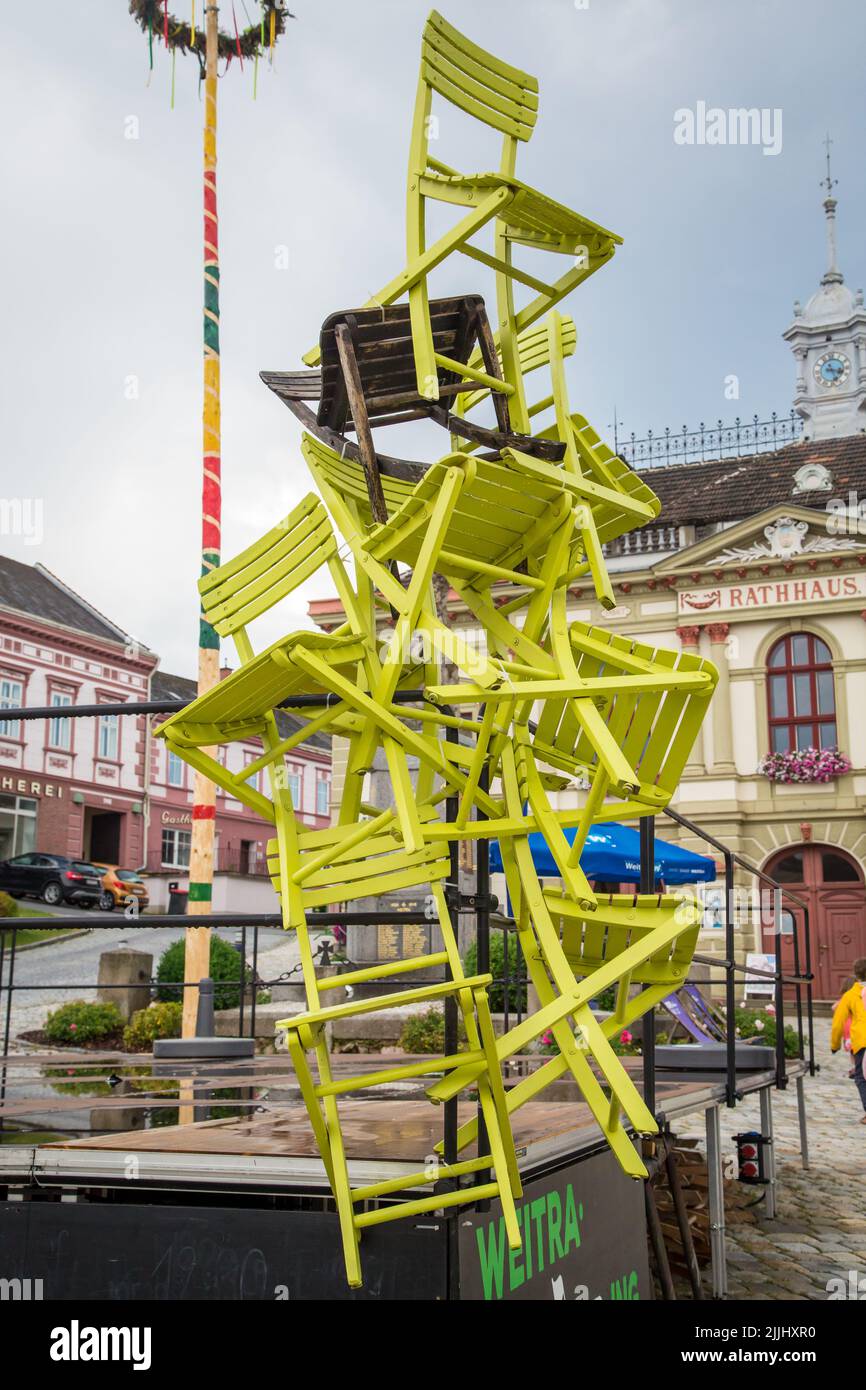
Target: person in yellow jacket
x: 852, y: 1006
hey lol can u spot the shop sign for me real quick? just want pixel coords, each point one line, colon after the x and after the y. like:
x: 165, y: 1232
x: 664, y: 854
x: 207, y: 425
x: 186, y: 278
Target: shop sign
x: 25, y: 787
x: 584, y: 1238
x: 732, y: 598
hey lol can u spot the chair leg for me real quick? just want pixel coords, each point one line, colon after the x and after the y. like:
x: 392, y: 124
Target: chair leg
x: 500, y: 1163
x: 311, y: 1101
x: 340, y: 1185
x: 497, y: 1090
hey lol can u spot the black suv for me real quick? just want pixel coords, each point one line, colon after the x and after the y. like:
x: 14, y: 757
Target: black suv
x: 51, y: 877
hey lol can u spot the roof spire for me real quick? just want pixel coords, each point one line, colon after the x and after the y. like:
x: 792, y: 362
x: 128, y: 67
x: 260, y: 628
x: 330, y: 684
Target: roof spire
x: 832, y: 275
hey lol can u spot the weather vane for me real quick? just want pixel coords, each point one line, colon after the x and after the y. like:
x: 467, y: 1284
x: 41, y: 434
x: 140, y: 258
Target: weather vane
x: 828, y: 182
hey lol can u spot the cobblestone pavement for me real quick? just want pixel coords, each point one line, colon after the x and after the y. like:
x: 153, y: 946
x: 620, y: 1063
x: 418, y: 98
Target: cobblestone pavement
x: 819, y: 1233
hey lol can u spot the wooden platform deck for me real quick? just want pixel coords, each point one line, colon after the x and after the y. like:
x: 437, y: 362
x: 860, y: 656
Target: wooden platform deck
x: 268, y: 1138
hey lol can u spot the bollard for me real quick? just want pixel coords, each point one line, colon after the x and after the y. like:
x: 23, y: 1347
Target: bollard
x: 125, y: 966
x: 205, y: 1043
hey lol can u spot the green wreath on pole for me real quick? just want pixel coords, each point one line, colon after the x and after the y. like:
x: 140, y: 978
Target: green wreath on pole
x: 184, y: 34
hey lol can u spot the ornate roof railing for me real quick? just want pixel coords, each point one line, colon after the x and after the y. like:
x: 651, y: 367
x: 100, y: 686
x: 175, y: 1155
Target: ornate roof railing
x: 708, y: 442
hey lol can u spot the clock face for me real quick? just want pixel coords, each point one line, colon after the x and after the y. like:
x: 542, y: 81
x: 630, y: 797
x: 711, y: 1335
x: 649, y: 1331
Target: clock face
x: 832, y: 369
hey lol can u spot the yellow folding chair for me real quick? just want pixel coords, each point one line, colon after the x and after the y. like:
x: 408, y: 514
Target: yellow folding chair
x: 505, y: 99
x: 642, y: 946
x: 631, y: 735
x: 242, y: 706
x: 314, y: 869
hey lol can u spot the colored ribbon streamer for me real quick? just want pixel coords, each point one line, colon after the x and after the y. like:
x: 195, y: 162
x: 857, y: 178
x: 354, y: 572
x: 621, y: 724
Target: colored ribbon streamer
x: 165, y: 22
x: 237, y: 38
x: 273, y: 34
x: 192, y: 26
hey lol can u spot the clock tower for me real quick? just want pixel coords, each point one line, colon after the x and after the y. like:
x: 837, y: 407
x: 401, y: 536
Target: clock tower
x: 828, y: 339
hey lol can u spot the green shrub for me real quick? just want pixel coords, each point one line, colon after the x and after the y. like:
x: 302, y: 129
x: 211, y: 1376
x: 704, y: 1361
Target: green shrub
x: 426, y: 1032
x: 758, y: 1026
x: 157, y: 1021
x: 606, y: 1001
x: 80, y: 1022
x: 225, y: 971
x: 496, y: 991
x: 8, y: 906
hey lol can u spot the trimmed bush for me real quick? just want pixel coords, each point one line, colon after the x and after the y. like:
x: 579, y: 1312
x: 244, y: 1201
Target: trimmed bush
x: 225, y: 971
x: 496, y: 991
x: 157, y: 1021
x: 80, y: 1022
x: 8, y: 906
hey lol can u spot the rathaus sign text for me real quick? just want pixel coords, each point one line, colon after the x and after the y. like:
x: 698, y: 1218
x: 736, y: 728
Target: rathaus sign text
x: 775, y: 593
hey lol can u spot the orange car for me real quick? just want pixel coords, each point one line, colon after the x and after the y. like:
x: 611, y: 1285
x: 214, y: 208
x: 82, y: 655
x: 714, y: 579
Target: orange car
x: 118, y: 885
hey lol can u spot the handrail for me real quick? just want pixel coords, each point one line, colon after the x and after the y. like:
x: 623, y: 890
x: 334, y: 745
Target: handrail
x: 737, y: 858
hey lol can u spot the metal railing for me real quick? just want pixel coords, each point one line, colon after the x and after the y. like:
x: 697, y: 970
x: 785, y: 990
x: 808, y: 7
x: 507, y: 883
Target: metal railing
x: 707, y: 442
x: 800, y: 981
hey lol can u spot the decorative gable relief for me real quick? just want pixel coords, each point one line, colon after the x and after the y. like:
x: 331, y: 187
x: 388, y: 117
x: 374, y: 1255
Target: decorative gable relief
x: 786, y: 538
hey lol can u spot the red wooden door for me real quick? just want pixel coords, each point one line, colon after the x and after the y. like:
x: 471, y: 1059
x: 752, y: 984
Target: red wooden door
x: 830, y: 882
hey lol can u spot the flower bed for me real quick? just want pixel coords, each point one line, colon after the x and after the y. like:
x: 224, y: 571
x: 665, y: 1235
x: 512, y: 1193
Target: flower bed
x: 804, y: 765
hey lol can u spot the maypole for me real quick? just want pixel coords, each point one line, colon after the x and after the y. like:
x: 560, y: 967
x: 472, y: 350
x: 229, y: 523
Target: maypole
x: 197, y: 956
x: 253, y: 42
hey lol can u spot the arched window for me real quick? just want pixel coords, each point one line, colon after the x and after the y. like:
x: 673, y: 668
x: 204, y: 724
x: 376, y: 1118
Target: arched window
x: 800, y: 695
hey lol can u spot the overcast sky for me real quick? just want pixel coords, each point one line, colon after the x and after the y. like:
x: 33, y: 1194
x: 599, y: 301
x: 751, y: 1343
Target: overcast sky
x: 101, y: 243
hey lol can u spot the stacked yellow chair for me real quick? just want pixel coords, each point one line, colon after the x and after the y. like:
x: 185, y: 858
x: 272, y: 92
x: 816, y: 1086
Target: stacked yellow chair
x: 543, y: 703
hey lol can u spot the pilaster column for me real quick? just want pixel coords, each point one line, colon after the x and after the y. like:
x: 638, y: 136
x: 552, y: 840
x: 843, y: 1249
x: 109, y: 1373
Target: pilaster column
x: 723, y: 730
x: 801, y: 354
x: 689, y: 639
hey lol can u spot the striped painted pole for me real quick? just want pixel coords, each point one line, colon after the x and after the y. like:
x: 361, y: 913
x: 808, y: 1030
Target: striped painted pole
x: 201, y: 862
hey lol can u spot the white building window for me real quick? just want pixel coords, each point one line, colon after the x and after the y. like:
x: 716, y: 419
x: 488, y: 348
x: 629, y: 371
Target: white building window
x: 11, y: 697
x: 257, y: 781
x: 293, y: 782
x: 175, y: 848
x: 323, y: 795
x: 60, y: 730
x: 108, y: 736
x: 174, y: 769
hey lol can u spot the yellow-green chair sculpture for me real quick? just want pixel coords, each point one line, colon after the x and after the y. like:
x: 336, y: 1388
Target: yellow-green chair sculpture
x: 534, y: 702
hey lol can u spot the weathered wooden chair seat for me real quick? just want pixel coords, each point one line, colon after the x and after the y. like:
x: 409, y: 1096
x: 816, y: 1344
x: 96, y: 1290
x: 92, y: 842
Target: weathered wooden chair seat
x: 380, y: 342
x: 382, y: 339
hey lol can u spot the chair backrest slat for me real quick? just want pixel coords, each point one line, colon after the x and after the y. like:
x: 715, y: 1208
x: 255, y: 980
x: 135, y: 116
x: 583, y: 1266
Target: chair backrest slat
x: 477, y: 82
x: 251, y: 583
x: 533, y: 351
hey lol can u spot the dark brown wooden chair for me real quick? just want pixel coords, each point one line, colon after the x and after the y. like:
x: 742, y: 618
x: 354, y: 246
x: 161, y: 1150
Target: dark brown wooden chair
x: 368, y: 379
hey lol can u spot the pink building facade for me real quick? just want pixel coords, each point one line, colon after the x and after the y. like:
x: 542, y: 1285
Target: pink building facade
x: 104, y: 788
